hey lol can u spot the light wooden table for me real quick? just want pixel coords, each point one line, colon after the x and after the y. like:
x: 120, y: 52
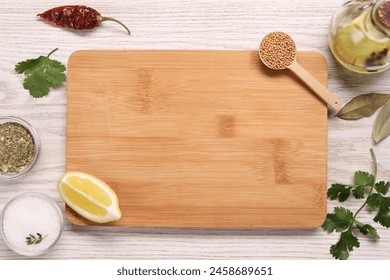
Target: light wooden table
x: 176, y: 24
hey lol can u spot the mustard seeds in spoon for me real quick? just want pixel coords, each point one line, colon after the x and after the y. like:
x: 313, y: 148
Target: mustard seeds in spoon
x: 277, y: 51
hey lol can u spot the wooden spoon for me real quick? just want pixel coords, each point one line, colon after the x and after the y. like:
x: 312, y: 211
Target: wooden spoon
x: 278, y: 51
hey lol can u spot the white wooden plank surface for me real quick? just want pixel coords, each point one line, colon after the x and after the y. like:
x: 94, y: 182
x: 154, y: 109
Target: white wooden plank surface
x: 176, y: 24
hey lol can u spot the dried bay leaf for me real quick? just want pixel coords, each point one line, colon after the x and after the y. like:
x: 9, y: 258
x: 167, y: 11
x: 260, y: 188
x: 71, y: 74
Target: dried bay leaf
x: 363, y: 106
x: 382, y: 123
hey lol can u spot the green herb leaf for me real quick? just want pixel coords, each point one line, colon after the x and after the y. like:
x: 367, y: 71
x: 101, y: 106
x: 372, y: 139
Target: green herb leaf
x: 31, y: 239
x: 343, y: 214
x: 330, y: 224
x: 37, y: 84
x: 344, y: 221
x: 364, y: 178
x: 55, y: 76
x: 382, y: 187
x: 383, y: 219
x: 342, y: 218
x: 368, y: 229
x: 41, y: 73
x: 339, y: 221
x: 363, y: 106
x: 344, y: 246
x: 374, y: 201
x: 383, y: 216
x: 27, y: 66
x: 339, y: 191
x: 358, y: 192
x: 382, y: 124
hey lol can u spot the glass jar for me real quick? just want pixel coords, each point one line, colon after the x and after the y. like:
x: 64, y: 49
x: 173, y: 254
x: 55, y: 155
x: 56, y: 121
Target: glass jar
x: 37, y: 143
x: 31, y: 224
x: 359, y: 35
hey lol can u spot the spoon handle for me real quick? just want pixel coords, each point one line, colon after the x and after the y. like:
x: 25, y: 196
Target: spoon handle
x: 316, y: 86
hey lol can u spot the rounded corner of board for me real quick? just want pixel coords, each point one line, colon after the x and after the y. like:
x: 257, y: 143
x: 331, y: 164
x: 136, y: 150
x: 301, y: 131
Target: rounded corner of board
x: 74, y: 55
x: 318, y: 222
x: 73, y: 217
x: 321, y: 57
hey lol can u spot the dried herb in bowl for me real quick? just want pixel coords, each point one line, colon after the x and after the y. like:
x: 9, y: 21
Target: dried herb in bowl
x: 20, y: 147
x: 17, y: 147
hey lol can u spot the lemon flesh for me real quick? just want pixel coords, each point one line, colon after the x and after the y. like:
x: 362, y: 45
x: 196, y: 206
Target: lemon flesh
x: 90, y: 197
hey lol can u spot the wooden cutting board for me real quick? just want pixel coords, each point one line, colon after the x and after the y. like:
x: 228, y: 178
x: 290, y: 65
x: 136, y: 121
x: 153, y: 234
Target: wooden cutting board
x: 199, y: 138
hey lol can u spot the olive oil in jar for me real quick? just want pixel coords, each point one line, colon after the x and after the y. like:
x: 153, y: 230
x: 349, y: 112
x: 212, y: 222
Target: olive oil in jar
x: 360, y: 36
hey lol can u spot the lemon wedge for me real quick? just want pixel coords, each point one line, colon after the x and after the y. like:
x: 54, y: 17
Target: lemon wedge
x: 90, y: 197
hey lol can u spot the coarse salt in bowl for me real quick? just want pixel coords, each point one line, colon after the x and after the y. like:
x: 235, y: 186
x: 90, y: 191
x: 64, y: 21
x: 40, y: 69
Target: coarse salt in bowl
x: 31, y: 224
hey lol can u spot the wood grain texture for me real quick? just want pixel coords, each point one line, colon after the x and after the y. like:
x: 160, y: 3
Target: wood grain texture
x: 184, y: 25
x: 326, y: 95
x: 199, y: 138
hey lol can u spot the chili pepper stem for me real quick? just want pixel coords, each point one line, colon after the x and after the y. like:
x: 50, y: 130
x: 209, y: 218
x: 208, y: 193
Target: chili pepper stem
x: 101, y: 19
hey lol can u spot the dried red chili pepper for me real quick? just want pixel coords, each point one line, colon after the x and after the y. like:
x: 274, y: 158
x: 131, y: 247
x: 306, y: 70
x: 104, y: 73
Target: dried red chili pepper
x: 76, y: 17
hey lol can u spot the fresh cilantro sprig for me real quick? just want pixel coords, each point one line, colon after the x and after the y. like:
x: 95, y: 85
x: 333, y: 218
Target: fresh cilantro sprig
x: 345, y: 221
x: 41, y: 74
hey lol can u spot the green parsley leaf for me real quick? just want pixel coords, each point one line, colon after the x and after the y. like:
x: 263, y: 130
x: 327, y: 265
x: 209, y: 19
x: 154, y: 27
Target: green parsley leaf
x: 382, y: 187
x: 339, y: 191
x: 55, y: 76
x: 27, y: 66
x: 346, y: 243
x: 364, y: 178
x: 368, y: 229
x: 37, y: 85
x: 338, y: 221
x: 330, y: 224
x: 374, y: 201
x: 383, y: 219
x: 383, y: 216
x: 358, y: 192
x: 343, y: 214
x: 41, y: 74
x: 344, y: 221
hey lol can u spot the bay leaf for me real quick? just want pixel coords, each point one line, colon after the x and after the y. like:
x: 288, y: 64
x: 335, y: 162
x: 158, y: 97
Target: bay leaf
x: 382, y: 123
x: 363, y: 106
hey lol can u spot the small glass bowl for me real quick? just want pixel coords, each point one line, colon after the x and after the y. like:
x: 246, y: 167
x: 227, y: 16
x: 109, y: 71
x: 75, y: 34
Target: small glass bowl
x: 37, y: 142
x: 40, y: 199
